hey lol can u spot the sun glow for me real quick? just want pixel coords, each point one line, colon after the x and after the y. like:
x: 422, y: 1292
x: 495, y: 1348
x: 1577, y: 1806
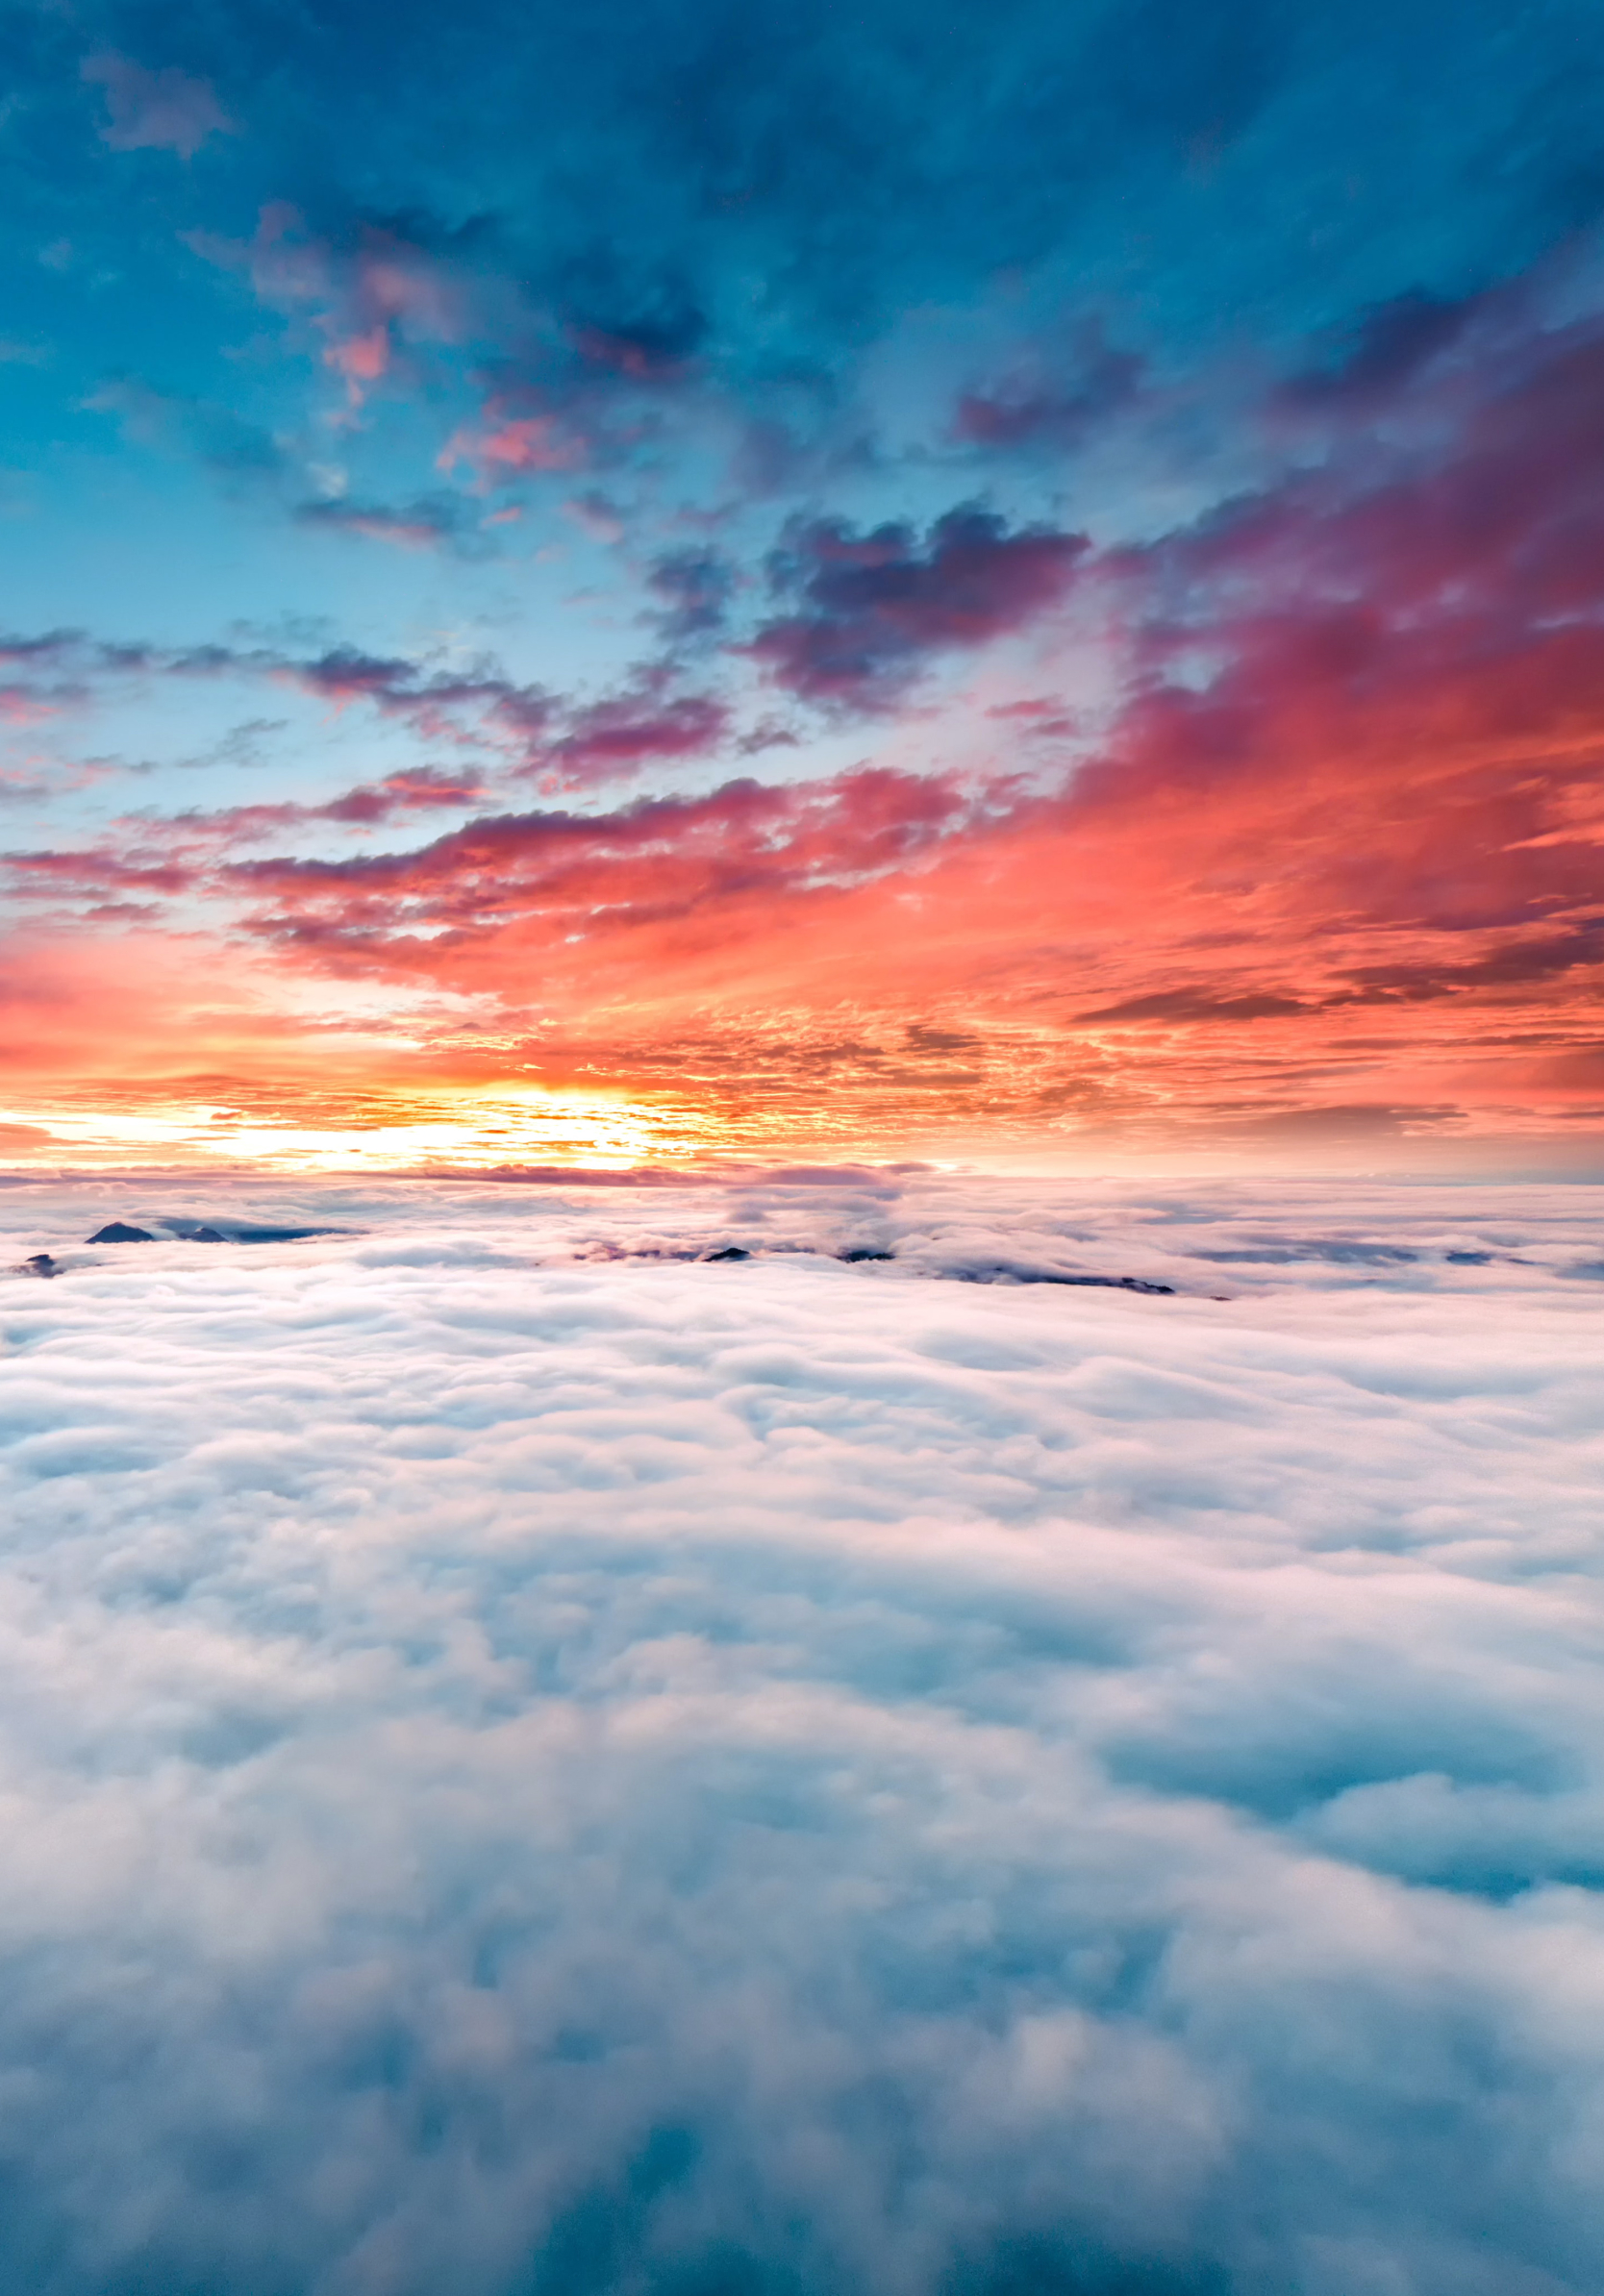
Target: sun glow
x: 473, y: 1131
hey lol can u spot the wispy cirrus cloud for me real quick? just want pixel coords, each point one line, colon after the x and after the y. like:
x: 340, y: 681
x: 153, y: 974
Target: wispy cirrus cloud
x: 524, y: 727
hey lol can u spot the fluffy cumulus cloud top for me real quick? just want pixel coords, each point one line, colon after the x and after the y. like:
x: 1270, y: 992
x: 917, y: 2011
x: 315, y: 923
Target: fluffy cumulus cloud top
x: 542, y: 1761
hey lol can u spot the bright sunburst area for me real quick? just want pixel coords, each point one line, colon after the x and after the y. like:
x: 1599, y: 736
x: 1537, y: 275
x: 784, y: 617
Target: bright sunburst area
x: 802, y: 1149
x: 473, y: 1130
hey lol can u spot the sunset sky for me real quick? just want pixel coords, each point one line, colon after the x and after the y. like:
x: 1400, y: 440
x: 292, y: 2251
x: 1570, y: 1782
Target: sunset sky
x: 668, y: 583
x: 801, y: 1148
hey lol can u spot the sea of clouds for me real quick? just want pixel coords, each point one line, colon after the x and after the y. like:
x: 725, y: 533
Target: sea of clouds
x: 537, y: 1762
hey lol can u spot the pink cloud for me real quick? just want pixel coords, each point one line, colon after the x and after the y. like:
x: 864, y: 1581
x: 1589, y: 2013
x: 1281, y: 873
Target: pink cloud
x: 508, y: 445
x: 613, y: 739
x: 18, y: 707
x: 361, y: 359
x: 161, y: 111
x: 378, y: 291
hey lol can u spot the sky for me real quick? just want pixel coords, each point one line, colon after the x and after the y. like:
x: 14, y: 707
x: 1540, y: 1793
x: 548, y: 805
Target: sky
x: 537, y: 1762
x: 678, y: 582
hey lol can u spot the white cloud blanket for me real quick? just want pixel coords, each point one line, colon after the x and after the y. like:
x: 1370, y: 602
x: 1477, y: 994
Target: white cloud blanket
x: 531, y: 1765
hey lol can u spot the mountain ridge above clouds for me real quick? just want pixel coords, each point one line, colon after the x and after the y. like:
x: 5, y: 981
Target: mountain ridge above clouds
x: 1120, y: 1233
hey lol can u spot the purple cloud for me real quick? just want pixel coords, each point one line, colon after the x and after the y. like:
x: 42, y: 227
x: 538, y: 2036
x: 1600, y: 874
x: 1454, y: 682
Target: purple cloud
x: 869, y: 609
x: 1033, y: 405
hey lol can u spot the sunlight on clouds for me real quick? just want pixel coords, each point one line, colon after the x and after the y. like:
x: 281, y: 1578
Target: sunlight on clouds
x: 472, y: 1130
x: 463, y: 1130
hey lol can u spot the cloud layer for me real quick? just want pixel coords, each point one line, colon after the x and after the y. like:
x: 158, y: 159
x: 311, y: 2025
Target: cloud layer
x: 533, y: 1760
x: 737, y: 550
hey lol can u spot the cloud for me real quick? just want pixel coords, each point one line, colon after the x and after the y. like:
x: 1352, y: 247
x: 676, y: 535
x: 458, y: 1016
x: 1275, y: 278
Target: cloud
x: 1051, y: 403
x: 92, y: 871
x: 695, y: 588
x: 585, y: 739
x: 374, y: 292
x: 431, y: 523
x: 1195, y: 1004
x: 616, y: 736
x: 640, y: 322
x: 525, y: 1770
x: 873, y: 608
x: 395, y: 302
x: 420, y: 788
x: 654, y: 857
x: 1322, y: 836
x: 1384, y: 347
x: 501, y: 446
x: 161, y: 111
x: 417, y: 789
